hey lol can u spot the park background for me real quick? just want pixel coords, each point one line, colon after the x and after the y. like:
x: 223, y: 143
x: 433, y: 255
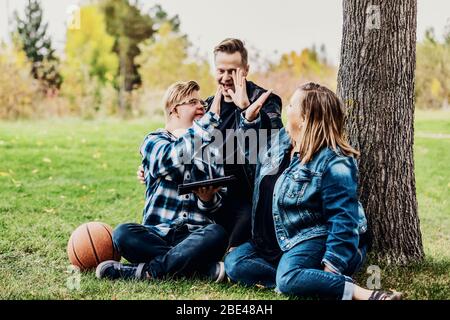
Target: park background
x: 80, y: 86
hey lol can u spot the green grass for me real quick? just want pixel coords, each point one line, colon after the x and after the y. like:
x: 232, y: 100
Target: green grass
x: 57, y: 174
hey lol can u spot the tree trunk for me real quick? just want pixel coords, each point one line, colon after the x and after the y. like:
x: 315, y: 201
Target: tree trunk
x: 376, y: 83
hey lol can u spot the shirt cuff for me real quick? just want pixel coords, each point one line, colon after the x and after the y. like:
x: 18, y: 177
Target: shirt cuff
x: 209, y: 119
x: 206, y: 126
x: 332, y: 265
x: 250, y: 124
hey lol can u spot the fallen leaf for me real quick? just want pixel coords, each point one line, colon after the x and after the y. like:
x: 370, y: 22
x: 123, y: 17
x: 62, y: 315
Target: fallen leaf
x: 16, y: 183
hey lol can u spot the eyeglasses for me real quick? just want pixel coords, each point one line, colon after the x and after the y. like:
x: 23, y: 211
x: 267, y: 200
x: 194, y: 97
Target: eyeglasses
x: 192, y: 102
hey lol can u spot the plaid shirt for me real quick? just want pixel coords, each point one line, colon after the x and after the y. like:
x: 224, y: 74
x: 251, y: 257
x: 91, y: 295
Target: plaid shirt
x: 169, y: 161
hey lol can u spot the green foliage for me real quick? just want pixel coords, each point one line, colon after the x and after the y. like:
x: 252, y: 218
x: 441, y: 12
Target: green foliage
x: 433, y: 71
x: 90, y: 46
x: 90, y: 65
x: 294, y: 68
x: 165, y: 60
x: 18, y: 89
x: 37, y: 45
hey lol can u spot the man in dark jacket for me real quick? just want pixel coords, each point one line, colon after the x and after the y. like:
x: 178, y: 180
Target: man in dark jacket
x: 231, y: 64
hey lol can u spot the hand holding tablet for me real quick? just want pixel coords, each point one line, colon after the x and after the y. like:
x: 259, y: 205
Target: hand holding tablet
x: 216, y: 182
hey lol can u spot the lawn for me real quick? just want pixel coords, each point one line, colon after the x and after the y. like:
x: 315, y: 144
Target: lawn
x: 57, y: 174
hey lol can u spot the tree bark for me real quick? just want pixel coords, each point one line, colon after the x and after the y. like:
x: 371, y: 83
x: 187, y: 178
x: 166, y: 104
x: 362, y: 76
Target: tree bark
x: 376, y: 82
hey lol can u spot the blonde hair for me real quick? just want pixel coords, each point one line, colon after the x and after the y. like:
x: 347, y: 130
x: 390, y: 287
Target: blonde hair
x: 323, y: 119
x: 177, y: 92
x: 231, y: 46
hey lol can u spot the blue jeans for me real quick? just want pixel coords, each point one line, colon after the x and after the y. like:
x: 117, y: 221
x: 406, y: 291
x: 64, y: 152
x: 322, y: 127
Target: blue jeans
x: 180, y: 253
x: 299, y: 271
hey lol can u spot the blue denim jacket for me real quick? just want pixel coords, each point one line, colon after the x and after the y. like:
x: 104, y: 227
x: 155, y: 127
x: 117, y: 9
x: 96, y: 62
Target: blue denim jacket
x: 319, y: 198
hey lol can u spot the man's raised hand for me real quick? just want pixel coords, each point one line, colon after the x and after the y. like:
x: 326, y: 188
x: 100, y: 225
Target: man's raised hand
x: 239, y: 96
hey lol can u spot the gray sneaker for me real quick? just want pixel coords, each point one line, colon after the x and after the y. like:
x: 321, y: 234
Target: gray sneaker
x: 113, y: 270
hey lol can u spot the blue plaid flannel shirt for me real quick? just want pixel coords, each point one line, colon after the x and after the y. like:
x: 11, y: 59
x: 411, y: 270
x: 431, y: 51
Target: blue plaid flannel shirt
x: 169, y: 161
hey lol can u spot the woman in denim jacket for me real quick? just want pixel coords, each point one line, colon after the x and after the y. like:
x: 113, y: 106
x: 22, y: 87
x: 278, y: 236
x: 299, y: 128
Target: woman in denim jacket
x: 308, y: 227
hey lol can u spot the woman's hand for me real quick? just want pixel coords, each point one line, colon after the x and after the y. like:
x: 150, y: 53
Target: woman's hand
x: 140, y: 174
x: 252, y: 111
x: 206, y: 194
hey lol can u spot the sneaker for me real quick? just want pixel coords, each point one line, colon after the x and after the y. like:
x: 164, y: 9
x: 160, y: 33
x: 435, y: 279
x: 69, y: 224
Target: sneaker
x: 217, y: 272
x: 386, y: 295
x: 113, y: 270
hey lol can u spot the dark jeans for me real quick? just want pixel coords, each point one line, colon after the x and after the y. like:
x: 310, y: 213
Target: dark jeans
x: 235, y: 217
x: 299, y: 271
x: 180, y: 253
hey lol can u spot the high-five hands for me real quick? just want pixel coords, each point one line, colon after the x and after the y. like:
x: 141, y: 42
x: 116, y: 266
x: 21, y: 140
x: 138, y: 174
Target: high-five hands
x: 239, y: 95
x: 251, y: 113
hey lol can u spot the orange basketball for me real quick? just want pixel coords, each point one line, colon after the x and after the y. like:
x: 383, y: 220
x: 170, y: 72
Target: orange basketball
x: 90, y: 244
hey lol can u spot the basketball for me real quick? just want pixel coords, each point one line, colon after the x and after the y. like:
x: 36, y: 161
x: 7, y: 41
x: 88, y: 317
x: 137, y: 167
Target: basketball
x: 90, y: 244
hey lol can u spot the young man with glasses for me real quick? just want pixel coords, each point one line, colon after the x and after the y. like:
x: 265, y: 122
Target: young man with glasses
x: 178, y: 236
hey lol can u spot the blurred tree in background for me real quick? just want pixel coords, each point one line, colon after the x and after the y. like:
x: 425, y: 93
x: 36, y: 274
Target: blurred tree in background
x: 37, y: 45
x: 18, y: 88
x: 90, y: 65
x: 129, y: 26
x: 120, y: 59
x: 295, y: 68
x: 433, y: 71
x: 165, y: 60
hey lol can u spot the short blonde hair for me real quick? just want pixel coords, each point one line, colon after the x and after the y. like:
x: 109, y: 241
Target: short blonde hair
x: 177, y: 92
x: 231, y: 46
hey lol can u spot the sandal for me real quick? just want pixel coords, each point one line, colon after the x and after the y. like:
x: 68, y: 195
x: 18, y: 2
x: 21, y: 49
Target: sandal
x: 385, y: 295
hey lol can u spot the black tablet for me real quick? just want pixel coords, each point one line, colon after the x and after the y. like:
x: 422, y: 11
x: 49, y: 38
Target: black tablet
x: 216, y: 182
